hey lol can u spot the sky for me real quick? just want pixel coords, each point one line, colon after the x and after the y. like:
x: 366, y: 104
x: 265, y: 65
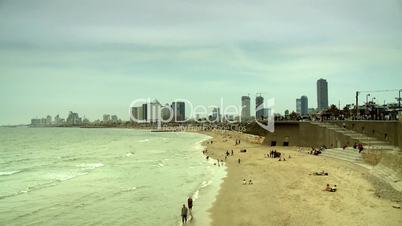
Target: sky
x: 97, y: 56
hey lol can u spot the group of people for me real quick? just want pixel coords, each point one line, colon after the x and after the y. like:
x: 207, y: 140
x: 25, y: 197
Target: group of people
x: 314, y: 151
x: 187, y: 211
x: 249, y: 182
x: 274, y: 154
x: 330, y: 189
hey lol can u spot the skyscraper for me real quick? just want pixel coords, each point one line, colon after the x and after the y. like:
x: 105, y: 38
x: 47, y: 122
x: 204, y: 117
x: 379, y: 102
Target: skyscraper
x: 322, y: 94
x: 245, y: 104
x: 298, y: 105
x: 259, y: 102
x: 179, y: 111
x: 304, y: 105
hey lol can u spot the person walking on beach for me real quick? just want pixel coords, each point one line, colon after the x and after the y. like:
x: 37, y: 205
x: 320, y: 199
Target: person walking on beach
x: 238, y: 161
x: 190, y: 206
x: 184, y: 211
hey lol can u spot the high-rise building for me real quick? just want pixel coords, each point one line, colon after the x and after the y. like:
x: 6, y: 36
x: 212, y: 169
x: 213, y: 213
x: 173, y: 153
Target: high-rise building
x: 154, y: 113
x: 216, y: 115
x: 167, y: 113
x: 304, y: 105
x: 245, y: 104
x: 322, y: 94
x: 298, y: 105
x: 137, y: 114
x: 73, y: 119
x: 179, y: 111
x: 259, y: 102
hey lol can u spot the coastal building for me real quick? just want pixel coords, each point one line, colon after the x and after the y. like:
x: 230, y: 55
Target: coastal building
x: 106, y: 118
x: 154, y: 111
x: 179, y: 111
x: 265, y: 113
x: 48, y: 120
x: 259, y: 101
x: 73, y: 119
x: 322, y: 94
x: 114, y: 119
x: 137, y: 114
x: 216, y: 115
x: 298, y: 105
x: 245, y: 104
x: 167, y: 113
x: 304, y: 105
x: 35, y: 122
x: 57, y: 120
x: 145, y: 112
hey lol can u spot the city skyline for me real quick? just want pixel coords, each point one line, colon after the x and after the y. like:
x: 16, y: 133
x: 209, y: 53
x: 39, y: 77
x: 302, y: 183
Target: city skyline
x: 57, y: 56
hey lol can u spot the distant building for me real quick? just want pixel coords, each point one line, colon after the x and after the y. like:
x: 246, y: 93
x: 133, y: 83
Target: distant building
x: 259, y: 101
x: 245, y: 104
x: 114, y: 119
x: 216, y: 115
x: 312, y: 111
x: 106, y: 118
x: 304, y: 105
x: 154, y: 110
x: 57, y: 120
x: 167, y: 113
x: 35, y: 122
x: 145, y: 112
x: 322, y: 94
x: 298, y: 105
x: 73, y: 119
x: 48, y: 120
x: 179, y: 111
x: 137, y: 114
x: 265, y: 113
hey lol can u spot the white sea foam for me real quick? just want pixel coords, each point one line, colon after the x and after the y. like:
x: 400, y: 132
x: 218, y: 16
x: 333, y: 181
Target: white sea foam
x: 6, y: 173
x: 143, y: 141
x: 91, y: 166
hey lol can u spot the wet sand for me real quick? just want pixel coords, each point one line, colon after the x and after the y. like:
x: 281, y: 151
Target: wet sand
x: 284, y: 192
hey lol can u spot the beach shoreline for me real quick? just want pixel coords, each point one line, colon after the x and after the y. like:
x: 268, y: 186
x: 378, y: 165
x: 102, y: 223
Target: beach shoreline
x: 285, y: 192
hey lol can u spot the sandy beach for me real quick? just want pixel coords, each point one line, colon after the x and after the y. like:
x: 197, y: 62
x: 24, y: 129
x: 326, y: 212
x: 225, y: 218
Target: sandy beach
x: 286, y: 192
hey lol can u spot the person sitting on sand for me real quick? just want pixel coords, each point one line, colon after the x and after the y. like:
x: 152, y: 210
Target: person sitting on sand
x: 244, y: 182
x: 328, y: 188
x: 250, y: 182
x: 320, y: 173
x: 333, y: 189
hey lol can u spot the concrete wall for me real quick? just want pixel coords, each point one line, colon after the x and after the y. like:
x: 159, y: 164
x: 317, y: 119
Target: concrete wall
x: 389, y: 131
x: 284, y: 132
x: 309, y: 135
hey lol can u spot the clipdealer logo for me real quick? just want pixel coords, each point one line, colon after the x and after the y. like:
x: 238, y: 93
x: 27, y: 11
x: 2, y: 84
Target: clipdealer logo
x: 148, y: 110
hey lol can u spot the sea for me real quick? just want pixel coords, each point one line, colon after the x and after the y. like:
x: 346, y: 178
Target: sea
x: 76, y: 176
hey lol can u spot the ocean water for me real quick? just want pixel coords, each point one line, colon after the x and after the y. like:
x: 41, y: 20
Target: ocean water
x: 72, y: 176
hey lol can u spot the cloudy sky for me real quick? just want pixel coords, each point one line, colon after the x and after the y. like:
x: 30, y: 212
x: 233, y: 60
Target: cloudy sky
x: 96, y: 56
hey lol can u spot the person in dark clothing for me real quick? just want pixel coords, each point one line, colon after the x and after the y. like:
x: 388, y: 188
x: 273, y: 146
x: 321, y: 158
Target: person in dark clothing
x: 190, y: 206
x: 184, y: 211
